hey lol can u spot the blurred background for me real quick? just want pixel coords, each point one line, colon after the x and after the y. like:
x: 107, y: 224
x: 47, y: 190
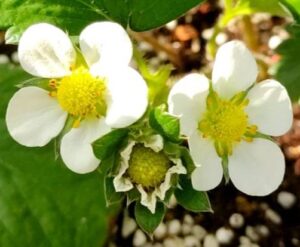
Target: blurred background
x: 47, y: 205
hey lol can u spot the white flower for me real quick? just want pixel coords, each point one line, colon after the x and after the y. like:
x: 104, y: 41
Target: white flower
x: 224, y: 122
x: 105, y: 94
x: 149, y: 175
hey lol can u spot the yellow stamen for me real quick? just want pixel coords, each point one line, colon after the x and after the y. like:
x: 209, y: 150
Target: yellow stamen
x: 81, y: 94
x: 226, y: 123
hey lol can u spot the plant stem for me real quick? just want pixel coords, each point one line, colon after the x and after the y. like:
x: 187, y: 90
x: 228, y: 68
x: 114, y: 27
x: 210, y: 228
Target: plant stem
x: 249, y: 34
x: 173, y: 55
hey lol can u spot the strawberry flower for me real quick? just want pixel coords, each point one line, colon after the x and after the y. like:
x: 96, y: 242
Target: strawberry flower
x: 85, y: 99
x: 227, y: 121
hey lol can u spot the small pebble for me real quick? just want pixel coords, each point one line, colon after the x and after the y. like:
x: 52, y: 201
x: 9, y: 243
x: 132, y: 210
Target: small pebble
x: 139, y: 238
x: 161, y: 231
x: 295, y: 241
x: 264, y: 206
x: 210, y: 241
x: 129, y: 225
x: 286, y: 199
x: 274, y: 42
x: 221, y: 38
x: 244, y: 240
x: 188, y: 219
x: 273, y: 216
x: 174, y: 227
x: 15, y: 57
x: 224, y: 235
x: 236, y: 220
x: 145, y: 46
x: 163, y: 56
x: 262, y: 230
x: 207, y: 33
x: 155, y: 62
x: 4, y: 59
x: 252, y: 234
x: 171, y: 25
x: 173, y: 242
x: 195, y: 46
x: 176, y: 45
x: 199, y: 232
x: 191, y: 241
x: 186, y: 229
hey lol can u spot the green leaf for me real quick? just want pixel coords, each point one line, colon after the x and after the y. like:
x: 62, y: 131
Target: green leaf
x: 42, y: 203
x: 287, y: 70
x: 253, y: 6
x: 111, y: 196
x: 109, y: 143
x: 74, y: 15
x: 190, y: 199
x: 294, y: 3
x: 248, y: 7
x: 164, y: 123
x: 293, y: 7
x: 147, y: 221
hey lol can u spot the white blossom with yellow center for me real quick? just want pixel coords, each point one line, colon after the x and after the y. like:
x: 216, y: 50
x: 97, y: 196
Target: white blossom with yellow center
x: 144, y: 166
x: 223, y: 120
x: 103, y: 95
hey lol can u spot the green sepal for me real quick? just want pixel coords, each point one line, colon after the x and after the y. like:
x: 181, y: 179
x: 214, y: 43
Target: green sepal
x: 225, y: 169
x: 111, y: 196
x: 191, y: 199
x: 263, y: 136
x: 180, y: 152
x: 109, y: 143
x: 35, y: 81
x: 147, y: 221
x: 108, y: 164
x: 168, y: 195
x: 164, y: 123
x: 187, y: 160
x: 133, y: 195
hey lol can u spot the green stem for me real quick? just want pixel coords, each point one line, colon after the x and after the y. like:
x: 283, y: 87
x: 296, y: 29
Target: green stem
x: 212, y: 45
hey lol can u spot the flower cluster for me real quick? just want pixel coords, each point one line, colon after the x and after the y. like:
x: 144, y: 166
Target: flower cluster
x: 87, y: 96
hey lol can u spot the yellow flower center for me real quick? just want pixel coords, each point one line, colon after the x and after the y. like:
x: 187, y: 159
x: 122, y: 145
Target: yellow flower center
x: 81, y: 94
x: 226, y: 122
x: 147, y: 167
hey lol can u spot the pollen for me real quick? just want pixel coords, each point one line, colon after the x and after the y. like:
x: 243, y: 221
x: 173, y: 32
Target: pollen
x: 81, y: 94
x: 226, y: 123
x: 147, y: 167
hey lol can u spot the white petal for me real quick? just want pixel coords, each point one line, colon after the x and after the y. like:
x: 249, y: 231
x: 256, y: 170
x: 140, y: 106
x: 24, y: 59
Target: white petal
x: 234, y: 70
x: 46, y: 51
x: 187, y: 99
x: 178, y: 168
x: 33, y: 118
x: 155, y: 142
x: 270, y: 108
x: 257, y: 168
x: 122, y: 183
x: 105, y: 44
x: 148, y: 199
x: 128, y: 97
x: 76, y: 149
x: 209, y: 172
